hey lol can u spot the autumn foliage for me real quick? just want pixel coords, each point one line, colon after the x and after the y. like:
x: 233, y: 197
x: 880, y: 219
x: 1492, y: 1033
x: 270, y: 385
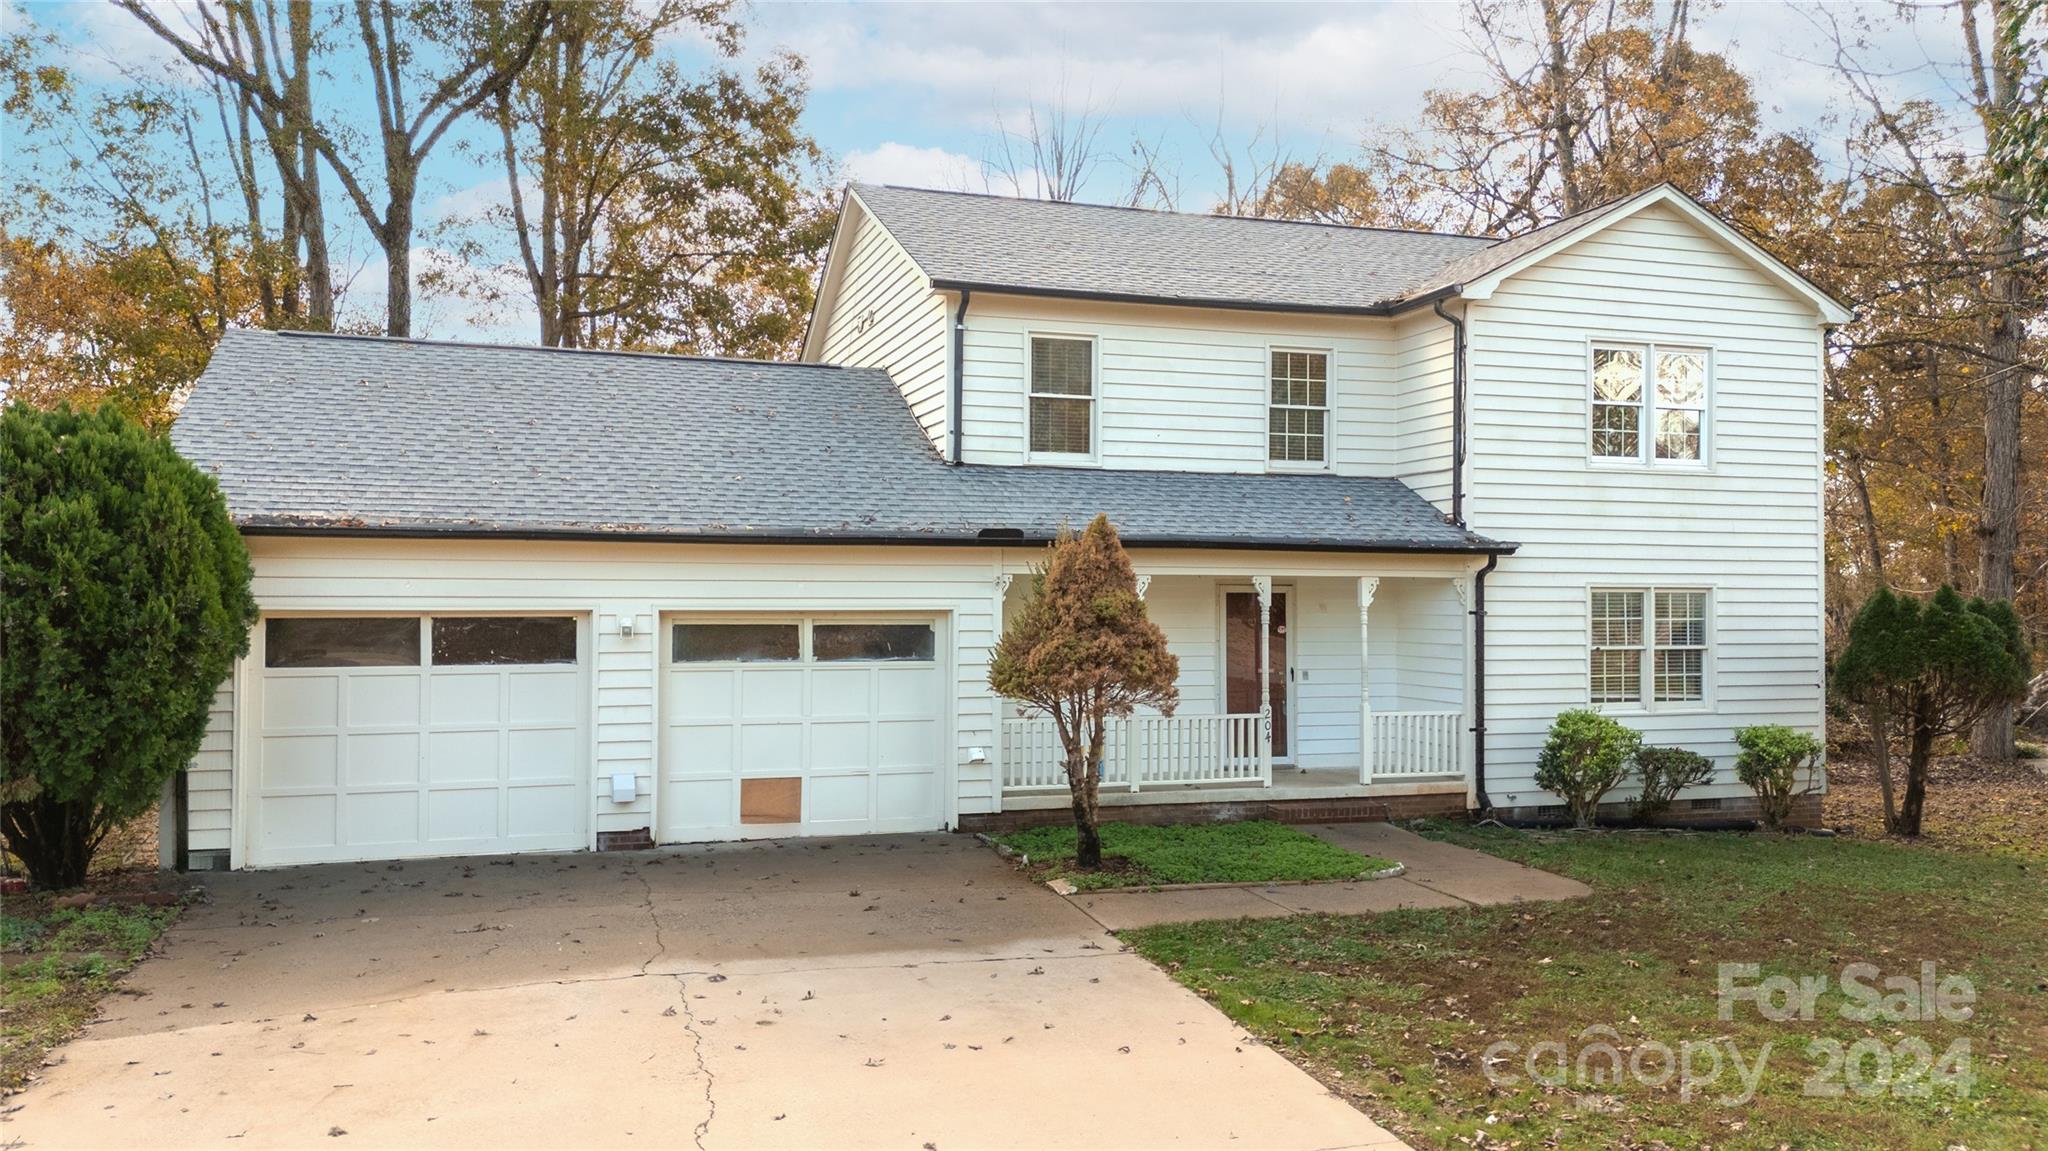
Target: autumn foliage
x: 1082, y: 651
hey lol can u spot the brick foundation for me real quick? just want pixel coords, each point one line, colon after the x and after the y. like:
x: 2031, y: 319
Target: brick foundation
x: 638, y: 839
x: 1337, y: 809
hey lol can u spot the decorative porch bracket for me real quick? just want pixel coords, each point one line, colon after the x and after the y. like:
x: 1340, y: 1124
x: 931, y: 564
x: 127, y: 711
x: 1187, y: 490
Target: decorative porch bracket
x: 1368, y: 586
x: 1144, y: 583
x: 1264, y: 586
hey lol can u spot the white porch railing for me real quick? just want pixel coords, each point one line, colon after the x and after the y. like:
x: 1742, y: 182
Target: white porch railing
x: 1414, y: 743
x: 1138, y: 752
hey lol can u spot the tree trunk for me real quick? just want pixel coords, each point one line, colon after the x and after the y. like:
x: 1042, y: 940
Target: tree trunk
x: 1920, y: 753
x: 397, y: 242
x: 1881, y: 751
x: 1558, y: 97
x: 305, y: 187
x: 54, y: 841
x: 1084, y: 781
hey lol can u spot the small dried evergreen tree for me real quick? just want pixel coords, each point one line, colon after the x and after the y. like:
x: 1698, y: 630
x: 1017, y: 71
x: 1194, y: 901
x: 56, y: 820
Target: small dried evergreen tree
x: 1082, y: 651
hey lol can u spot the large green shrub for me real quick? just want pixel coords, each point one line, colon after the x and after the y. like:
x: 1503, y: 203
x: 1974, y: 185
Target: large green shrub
x: 1778, y: 764
x: 126, y: 602
x: 1666, y: 771
x: 1925, y: 670
x: 1586, y: 755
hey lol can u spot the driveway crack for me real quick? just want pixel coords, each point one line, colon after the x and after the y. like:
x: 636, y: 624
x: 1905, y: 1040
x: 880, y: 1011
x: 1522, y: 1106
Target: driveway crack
x: 703, y: 1068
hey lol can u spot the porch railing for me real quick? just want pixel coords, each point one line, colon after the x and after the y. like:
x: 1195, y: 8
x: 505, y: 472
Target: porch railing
x: 1138, y: 752
x: 1416, y: 743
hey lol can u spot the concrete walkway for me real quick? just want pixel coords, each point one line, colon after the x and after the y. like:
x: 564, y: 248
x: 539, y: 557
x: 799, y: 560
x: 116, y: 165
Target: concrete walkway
x: 1438, y: 875
x: 898, y: 992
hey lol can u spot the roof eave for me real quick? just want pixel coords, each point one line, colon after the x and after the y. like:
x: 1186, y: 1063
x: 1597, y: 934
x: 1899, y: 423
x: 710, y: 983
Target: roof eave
x: 1383, y: 308
x: 359, y: 530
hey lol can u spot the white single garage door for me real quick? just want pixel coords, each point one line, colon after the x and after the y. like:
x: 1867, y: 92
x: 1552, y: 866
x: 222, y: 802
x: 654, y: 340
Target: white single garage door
x: 812, y: 725
x: 387, y: 737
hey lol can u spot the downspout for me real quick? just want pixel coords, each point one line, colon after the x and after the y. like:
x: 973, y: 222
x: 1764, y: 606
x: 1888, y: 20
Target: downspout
x: 1479, y: 682
x: 959, y: 372
x: 1457, y: 413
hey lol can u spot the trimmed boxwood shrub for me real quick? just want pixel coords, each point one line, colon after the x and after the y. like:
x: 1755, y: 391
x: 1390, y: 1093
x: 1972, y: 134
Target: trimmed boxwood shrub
x: 1665, y: 772
x: 1586, y: 756
x: 1774, y: 758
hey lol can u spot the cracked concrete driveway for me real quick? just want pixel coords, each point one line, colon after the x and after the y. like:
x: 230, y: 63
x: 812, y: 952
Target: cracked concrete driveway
x: 889, y: 992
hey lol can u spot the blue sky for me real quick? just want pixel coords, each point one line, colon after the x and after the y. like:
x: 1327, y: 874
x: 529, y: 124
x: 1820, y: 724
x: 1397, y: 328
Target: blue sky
x: 912, y: 93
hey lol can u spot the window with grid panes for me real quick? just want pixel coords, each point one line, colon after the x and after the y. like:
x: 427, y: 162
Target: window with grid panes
x: 1648, y: 646
x: 1297, y: 422
x: 1062, y: 398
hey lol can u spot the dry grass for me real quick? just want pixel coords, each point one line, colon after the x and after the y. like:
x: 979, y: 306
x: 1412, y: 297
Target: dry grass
x: 1972, y: 804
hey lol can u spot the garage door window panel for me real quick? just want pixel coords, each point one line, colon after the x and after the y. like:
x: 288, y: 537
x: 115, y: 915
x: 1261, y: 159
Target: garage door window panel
x: 342, y: 641
x: 487, y: 640
x: 737, y: 643
x: 838, y: 642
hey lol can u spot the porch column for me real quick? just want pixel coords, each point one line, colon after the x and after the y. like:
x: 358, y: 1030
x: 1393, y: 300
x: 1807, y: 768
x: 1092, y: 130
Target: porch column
x: 1264, y: 586
x: 1367, y: 586
x: 995, y: 702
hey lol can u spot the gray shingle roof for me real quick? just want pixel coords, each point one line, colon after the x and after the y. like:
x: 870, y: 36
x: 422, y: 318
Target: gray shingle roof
x: 352, y: 433
x: 997, y: 242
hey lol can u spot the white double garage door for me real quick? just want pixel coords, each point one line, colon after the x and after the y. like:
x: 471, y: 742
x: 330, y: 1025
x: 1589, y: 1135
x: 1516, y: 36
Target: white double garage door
x: 385, y: 737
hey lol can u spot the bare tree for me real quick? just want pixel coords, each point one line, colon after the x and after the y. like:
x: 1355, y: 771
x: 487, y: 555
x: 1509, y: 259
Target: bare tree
x: 480, y: 50
x: 1053, y: 152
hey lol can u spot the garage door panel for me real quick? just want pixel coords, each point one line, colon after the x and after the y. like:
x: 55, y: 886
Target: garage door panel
x: 545, y: 697
x: 771, y: 694
x: 543, y: 753
x: 907, y: 799
x: 838, y: 799
x: 383, y: 758
x: 841, y: 746
x: 384, y: 700
x: 464, y: 757
x: 700, y: 804
x: 842, y: 691
x: 459, y: 814
x: 906, y: 742
x: 464, y: 698
x: 542, y: 812
x: 293, y: 761
x: 299, y: 822
x: 702, y: 694
x: 703, y: 750
x: 771, y: 748
x: 906, y: 690
x: 301, y: 701
x: 376, y: 819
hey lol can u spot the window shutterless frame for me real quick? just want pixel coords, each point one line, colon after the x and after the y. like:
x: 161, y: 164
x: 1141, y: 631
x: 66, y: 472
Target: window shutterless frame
x: 1650, y: 648
x: 1035, y: 399
x: 1667, y: 410
x: 1300, y: 432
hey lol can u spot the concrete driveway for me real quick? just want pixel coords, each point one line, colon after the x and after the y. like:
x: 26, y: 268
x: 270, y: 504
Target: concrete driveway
x: 891, y: 992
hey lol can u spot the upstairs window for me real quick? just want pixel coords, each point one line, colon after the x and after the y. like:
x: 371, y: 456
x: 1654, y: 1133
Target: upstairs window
x: 1649, y: 403
x: 1062, y: 397
x: 1297, y: 422
x: 1648, y: 644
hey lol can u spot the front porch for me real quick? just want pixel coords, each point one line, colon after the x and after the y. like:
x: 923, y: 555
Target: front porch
x: 1303, y: 688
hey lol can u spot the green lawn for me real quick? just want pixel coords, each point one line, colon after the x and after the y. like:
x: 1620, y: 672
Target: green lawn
x: 58, y: 962
x: 1398, y: 1012
x: 1140, y: 856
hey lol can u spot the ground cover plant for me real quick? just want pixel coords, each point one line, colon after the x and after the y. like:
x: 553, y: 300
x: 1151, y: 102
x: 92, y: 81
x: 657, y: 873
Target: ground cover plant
x: 57, y: 961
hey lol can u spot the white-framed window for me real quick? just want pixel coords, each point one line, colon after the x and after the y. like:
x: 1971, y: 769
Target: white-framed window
x: 1648, y: 404
x: 1647, y: 647
x: 1298, y: 411
x: 1061, y: 397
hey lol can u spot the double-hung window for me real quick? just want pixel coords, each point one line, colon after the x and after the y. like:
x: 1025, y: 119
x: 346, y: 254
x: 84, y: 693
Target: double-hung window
x: 1649, y: 403
x: 1298, y: 418
x: 1648, y: 647
x: 1062, y: 397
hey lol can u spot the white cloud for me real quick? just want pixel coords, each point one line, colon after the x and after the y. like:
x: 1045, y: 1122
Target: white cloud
x: 110, y: 44
x: 894, y: 163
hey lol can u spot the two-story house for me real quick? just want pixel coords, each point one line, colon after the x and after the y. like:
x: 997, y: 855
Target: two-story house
x: 1396, y: 499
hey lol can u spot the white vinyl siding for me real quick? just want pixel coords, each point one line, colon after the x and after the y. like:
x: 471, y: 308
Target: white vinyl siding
x: 1424, y: 349
x: 885, y: 315
x: 1178, y: 389
x: 1746, y: 523
x: 210, y: 778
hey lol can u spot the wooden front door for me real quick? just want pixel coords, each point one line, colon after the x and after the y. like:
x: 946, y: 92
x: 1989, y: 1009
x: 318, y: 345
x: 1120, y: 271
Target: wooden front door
x: 1241, y: 660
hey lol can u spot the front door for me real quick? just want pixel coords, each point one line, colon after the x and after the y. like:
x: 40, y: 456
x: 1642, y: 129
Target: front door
x: 1241, y: 660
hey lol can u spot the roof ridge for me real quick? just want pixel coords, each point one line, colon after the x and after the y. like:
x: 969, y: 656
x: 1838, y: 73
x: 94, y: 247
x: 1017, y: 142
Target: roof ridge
x: 372, y: 337
x: 1178, y: 213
